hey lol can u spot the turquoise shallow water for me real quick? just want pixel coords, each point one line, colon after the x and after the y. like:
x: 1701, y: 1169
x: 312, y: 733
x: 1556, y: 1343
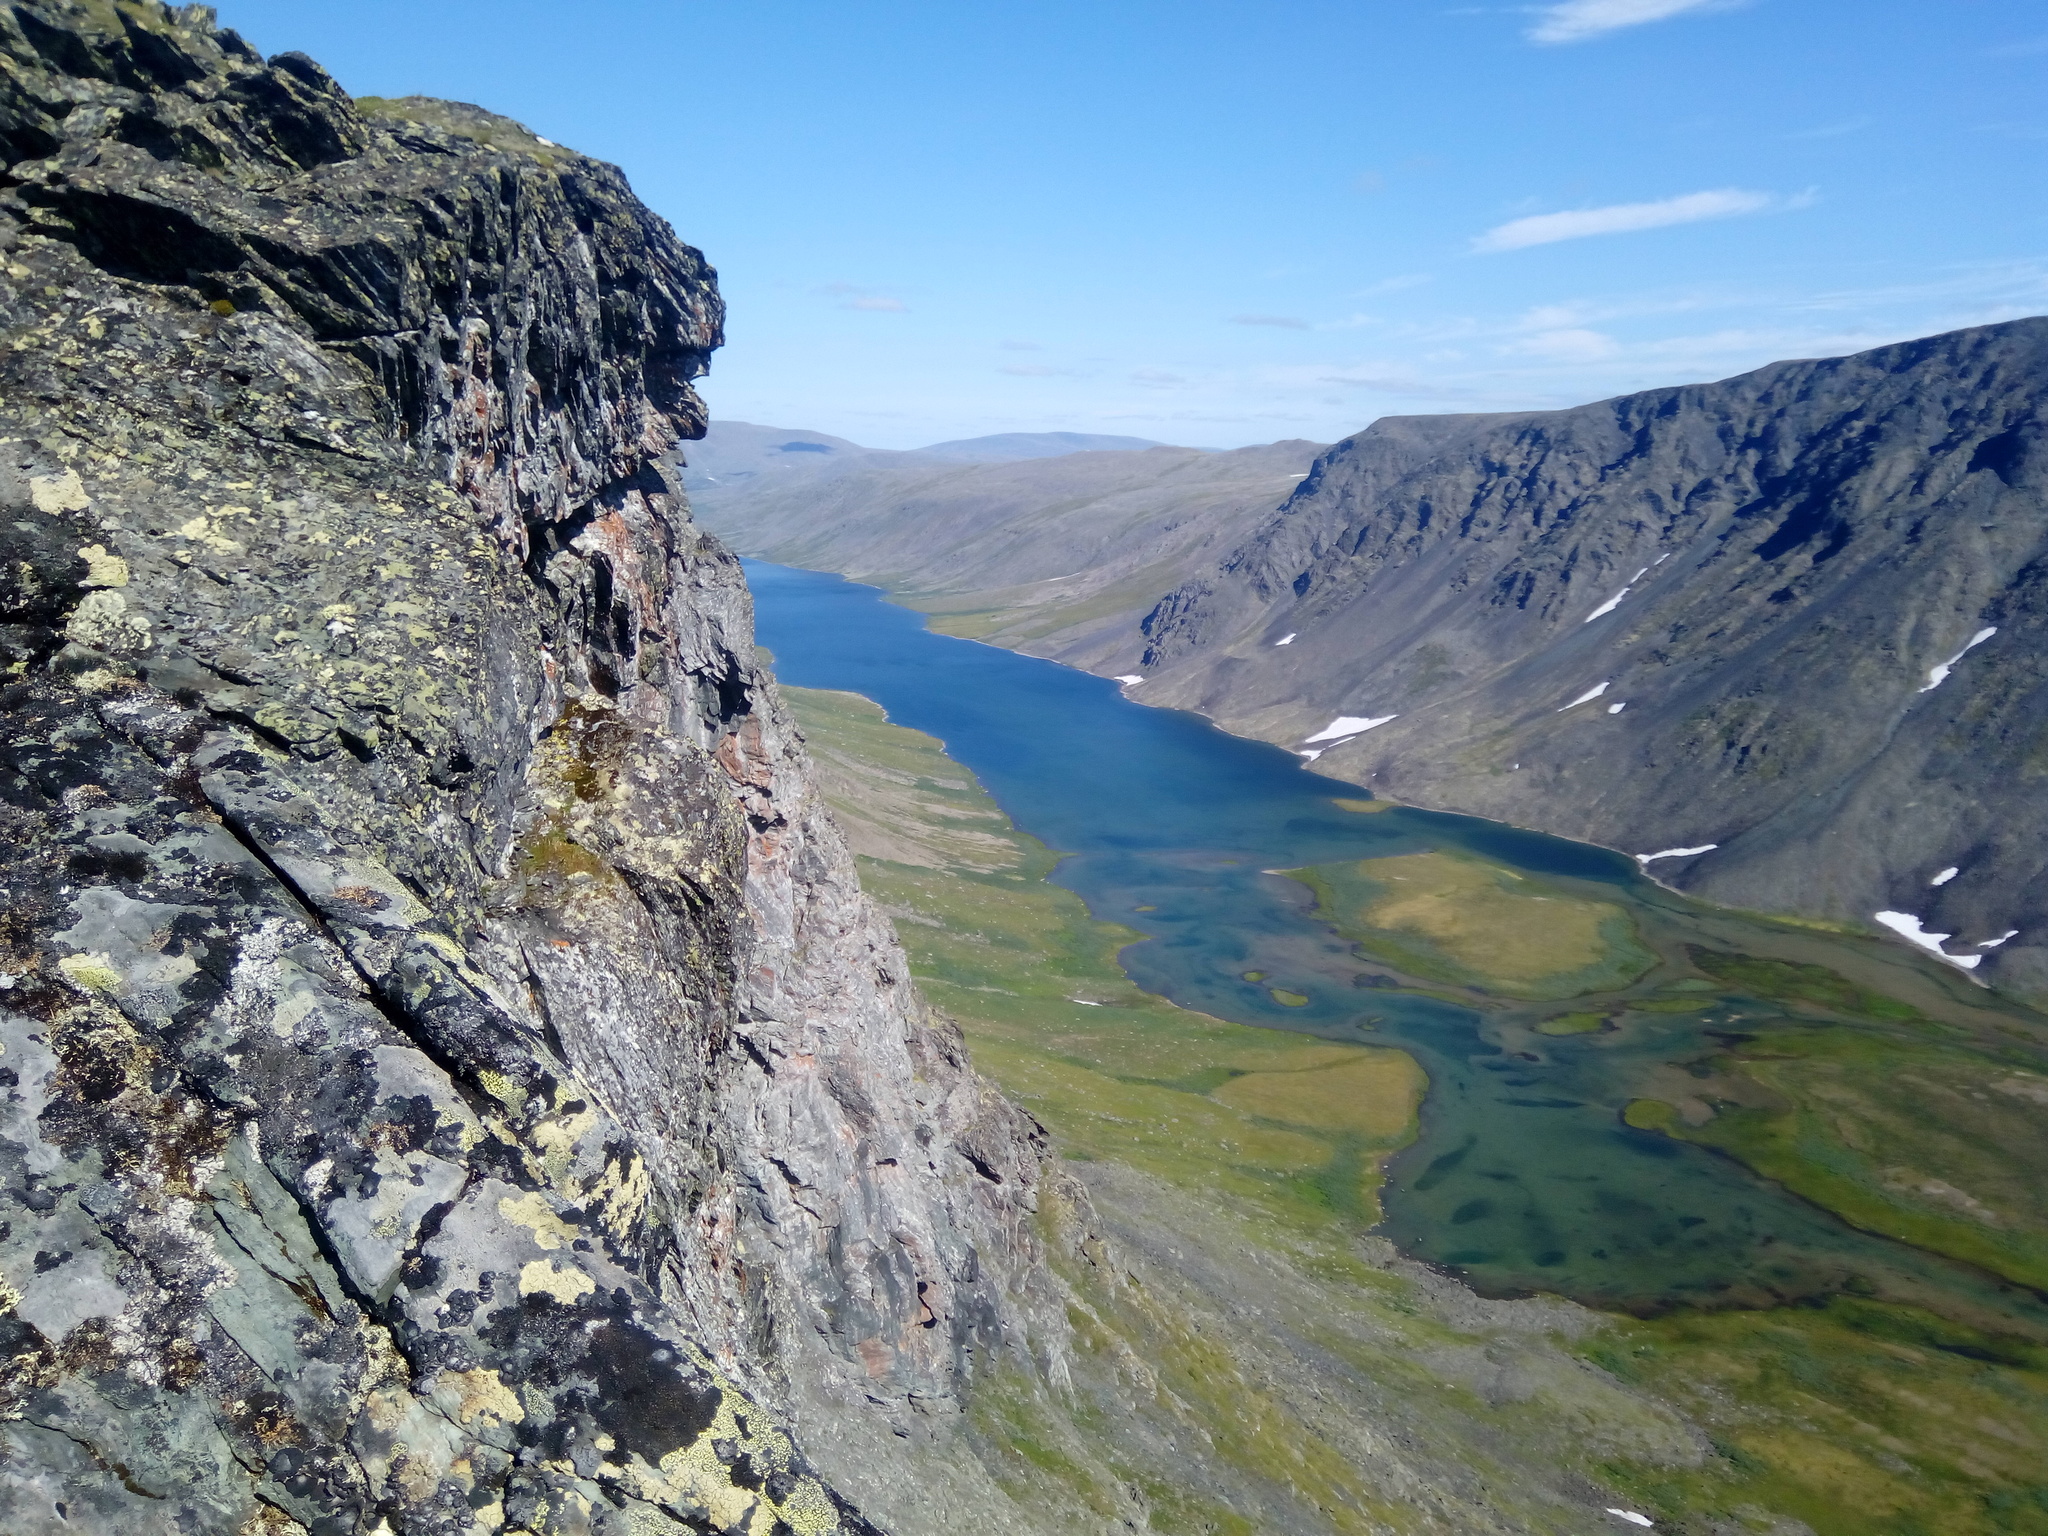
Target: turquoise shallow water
x: 1525, y: 1176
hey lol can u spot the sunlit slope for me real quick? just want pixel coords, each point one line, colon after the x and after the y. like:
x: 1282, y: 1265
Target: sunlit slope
x: 1059, y: 556
x: 1251, y: 1362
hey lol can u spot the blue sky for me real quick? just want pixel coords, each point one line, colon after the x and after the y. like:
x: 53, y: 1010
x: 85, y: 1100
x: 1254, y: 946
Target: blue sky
x: 1225, y: 223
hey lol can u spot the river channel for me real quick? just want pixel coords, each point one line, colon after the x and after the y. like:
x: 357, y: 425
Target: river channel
x: 1525, y: 1176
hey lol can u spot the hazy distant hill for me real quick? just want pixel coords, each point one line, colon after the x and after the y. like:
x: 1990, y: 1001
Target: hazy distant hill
x: 1031, y: 445
x: 1047, y: 554
x: 734, y: 451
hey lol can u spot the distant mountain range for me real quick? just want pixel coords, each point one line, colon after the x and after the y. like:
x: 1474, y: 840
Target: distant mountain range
x: 1050, y: 554
x: 1781, y: 635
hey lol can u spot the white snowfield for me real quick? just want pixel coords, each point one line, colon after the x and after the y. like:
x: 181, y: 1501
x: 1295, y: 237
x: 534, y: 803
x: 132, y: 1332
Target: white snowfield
x: 1287, y: 639
x: 1936, y: 676
x: 1632, y: 1517
x: 1312, y: 754
x: 1348, y: 725
x: 1909, y: 927
x: 1614, y: 709
x: 1945, y: 876
x: 1130, y: 680
x: 1994, y: 943
x: 1587, y: 697
x: 1646, y: 859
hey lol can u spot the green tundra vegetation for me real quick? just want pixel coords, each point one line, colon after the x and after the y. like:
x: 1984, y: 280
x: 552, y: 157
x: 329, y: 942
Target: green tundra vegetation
x: 1235, y: 1171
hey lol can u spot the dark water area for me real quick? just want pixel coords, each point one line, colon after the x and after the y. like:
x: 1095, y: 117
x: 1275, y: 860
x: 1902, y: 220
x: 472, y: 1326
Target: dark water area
x: 1525, y: 1177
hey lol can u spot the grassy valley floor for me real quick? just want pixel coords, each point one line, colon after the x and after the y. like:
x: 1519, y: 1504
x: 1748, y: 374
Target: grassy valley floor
x: 1250, y: 1359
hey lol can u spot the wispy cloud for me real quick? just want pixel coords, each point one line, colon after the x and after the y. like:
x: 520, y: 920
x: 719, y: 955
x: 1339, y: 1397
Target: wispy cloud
x: 1622, y: 218
x: 1036, y: 371
x: 1577, y: 345
x: 1835, y: 130
x: 2025, y: 48
x: 1284, y: 322
x: 1576, y: 20
x: 852, y: 296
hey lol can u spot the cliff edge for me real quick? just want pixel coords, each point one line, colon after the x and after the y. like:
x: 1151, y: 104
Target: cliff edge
x: 452, y: 1079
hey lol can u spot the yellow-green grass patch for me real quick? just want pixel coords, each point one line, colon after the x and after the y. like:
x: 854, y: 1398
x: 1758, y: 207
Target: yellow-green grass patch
x: 1447, y: 917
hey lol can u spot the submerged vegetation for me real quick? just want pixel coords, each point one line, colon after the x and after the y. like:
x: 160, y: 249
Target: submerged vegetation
x: 1274, y: 1326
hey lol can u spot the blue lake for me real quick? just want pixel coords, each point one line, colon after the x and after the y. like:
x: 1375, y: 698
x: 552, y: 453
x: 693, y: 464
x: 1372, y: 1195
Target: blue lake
x: 1525, y: 1177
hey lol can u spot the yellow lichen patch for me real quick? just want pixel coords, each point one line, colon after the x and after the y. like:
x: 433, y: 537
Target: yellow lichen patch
x: 533, y: 1212
x: 59, y: 493
x: 1374, y: 1095
x: 621, y: 1194
x: 503, y: 1089
x: 556, y: 1141
x: 93, y: 971
x: 471, y: 1395
x: 541, y: 1278
x: 103, y: 569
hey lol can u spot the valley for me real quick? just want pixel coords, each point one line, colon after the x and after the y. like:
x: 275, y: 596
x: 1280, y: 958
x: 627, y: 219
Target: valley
x: 1837, y: 1388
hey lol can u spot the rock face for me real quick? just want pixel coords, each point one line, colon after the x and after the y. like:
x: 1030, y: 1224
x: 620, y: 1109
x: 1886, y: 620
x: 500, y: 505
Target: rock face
x: 452, y: 1081
x: 1802, y: 612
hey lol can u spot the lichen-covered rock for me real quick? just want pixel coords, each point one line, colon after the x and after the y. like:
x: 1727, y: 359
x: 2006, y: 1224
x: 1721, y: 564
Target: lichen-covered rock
x: 452, y: 1081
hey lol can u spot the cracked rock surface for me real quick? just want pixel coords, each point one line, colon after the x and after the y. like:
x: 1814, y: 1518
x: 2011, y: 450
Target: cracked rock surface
x: 450, y: 1080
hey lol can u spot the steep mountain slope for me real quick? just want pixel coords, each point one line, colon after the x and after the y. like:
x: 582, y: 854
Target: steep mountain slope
x: 1791, y: 622
x: 451, y: 1078
x: 1048, y: 555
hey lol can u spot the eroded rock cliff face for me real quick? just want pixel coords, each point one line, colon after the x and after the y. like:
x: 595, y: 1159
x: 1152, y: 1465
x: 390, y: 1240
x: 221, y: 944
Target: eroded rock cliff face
x: 1790, y: 623
x: 452, y: 1079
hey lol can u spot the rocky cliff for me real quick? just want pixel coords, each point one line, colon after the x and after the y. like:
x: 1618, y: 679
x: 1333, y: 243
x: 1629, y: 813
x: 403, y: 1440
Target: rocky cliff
x: 452, y: 1079
x: 1784, y: 632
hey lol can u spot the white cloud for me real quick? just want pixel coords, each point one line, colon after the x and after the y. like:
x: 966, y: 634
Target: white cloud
x: 1566, y: 346
x: 1575, y: 20
x: 1620, y: 218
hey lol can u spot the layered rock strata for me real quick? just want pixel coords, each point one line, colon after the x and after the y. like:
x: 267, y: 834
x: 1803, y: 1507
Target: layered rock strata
x: 452, y: 1081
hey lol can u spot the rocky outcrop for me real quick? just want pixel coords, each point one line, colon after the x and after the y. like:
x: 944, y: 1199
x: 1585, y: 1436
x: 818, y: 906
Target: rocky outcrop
x: 452, y: 1079
x: 1791, y: 623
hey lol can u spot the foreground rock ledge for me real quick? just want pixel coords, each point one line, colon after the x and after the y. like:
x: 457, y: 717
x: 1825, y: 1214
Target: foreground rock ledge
x: 452, y: 1080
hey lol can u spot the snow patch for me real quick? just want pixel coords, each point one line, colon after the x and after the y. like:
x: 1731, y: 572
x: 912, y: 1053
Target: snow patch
x: 1994, y: 943
x: 1349, y: 725
x: 1611, y: 604
x: 1587, y: 697
x: 1313, y: 753
x: 1285, y: 640
x: 1632, y: 1517
x: 1130, y: 680
x: 1615, y: 709
x: 1945, y: 876
x: 1936, y: 676
x: 1909, y: 928
x: 1646, y: 859
x: 1661, y: 558
x: 1084, y: 1002
x: 1639, y: 575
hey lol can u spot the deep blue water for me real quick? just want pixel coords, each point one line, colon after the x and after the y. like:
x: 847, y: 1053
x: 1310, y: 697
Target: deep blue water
x: 1525, y: 1177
